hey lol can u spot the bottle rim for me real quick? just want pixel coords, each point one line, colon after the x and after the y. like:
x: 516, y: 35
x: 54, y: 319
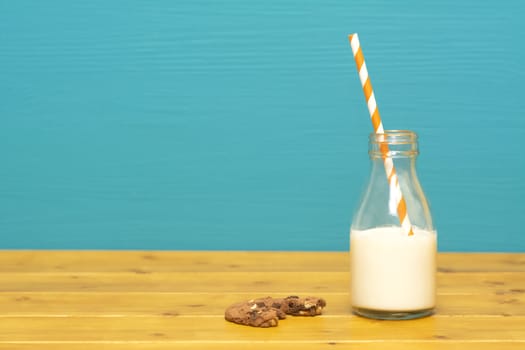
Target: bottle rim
x: 401, y: 144
x: 394, y: 137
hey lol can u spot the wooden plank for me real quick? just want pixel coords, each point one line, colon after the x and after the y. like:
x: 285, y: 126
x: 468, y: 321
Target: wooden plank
x: 216, y: 329
x: 110, y: 304
x: 309, y: 345
x: 180, y: 261
x: 232, y: 282
x: 481, y: 262
x: 152, y: 307
x: 164, y: 261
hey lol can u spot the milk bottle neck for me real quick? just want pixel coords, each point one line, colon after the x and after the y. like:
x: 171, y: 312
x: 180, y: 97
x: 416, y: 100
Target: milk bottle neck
x: 395, y: 144
x: 392, y: 152
x: 394, y: 148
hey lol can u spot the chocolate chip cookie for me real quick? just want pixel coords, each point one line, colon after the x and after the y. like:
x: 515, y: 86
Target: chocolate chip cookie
x: 308, y: 306
x: 266, y: 312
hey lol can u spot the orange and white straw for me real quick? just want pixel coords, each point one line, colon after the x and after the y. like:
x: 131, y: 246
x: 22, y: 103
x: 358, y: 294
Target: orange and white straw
x: 396, y: 197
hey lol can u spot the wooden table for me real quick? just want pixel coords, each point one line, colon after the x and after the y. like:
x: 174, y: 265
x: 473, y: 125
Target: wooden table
x: 166, y: 300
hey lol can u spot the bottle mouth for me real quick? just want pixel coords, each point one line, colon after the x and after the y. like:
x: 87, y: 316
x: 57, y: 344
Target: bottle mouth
x: 393, y: 144
x: 393, y: 137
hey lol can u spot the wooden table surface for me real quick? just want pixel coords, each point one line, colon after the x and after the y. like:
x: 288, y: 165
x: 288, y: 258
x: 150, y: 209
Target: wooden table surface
x: 166, y: 300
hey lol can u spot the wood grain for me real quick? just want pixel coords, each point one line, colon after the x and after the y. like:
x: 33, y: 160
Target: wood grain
x: 214, y: 329
x: 309, y: 345
x: 161, y: 300
x: 233, y: 282
x: 192, y: 261
x: 146, y: 304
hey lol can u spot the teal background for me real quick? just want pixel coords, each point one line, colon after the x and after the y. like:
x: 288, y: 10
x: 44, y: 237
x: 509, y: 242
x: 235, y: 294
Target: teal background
x: 237, y: 124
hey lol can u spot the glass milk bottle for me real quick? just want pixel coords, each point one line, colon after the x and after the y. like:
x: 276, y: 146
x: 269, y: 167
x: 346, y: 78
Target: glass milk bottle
x: 393, y: 273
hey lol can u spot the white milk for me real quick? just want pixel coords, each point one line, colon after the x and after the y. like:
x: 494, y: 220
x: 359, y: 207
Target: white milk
x: 392, y: 271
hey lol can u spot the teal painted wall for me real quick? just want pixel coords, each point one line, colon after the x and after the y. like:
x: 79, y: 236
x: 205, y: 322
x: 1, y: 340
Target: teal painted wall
x: 241, y: 125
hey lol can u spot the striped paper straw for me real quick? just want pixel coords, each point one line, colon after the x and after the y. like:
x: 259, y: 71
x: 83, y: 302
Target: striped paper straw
x: 395, y: 189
